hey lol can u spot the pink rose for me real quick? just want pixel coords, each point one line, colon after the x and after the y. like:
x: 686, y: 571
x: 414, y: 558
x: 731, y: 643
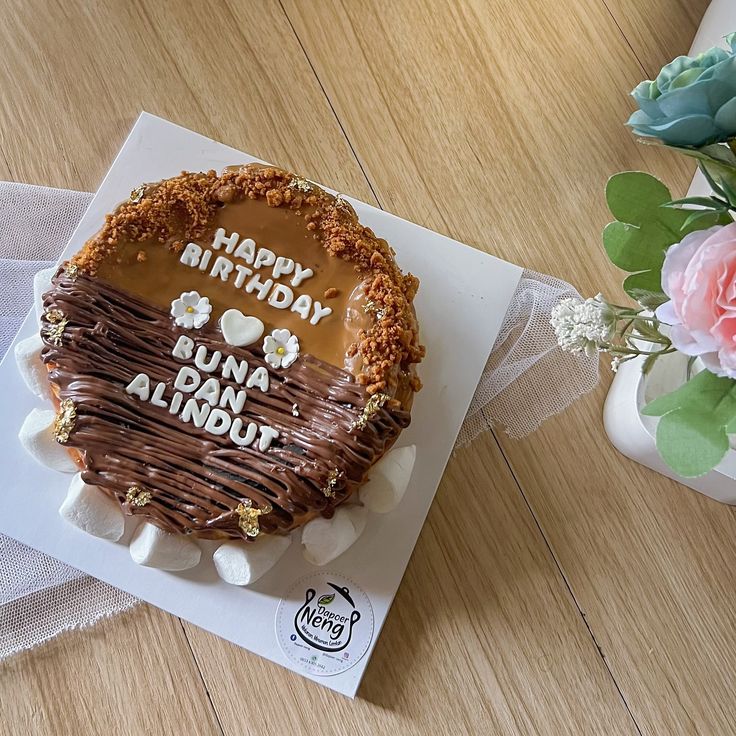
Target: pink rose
x: 699, y: 277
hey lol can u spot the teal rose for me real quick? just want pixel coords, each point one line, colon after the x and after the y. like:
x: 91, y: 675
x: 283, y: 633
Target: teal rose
x: 692, y: 102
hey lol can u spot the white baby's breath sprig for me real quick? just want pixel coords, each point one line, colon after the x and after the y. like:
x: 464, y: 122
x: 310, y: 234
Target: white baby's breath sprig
x: 583, y: 326
x: 594, y: 325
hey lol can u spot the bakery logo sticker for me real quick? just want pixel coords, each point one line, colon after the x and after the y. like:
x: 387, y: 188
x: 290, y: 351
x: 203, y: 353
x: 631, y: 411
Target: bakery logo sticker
x: 324, y: 624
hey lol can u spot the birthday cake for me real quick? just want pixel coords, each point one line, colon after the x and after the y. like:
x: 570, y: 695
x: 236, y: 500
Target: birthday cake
x: 230, y: 355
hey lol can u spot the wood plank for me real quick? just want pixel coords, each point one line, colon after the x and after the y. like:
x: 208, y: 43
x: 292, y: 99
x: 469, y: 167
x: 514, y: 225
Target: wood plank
x: 659, y: 30
x: 501, y: 129
x: 650, y: 562
x: 131, y: 674
x: 79, y: 104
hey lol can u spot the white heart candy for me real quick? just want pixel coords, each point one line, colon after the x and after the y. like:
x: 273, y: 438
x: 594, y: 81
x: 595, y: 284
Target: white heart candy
x: 239, y: 330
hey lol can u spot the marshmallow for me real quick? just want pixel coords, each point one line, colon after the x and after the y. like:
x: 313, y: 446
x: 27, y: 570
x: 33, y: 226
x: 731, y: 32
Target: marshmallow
x: 326, y: 539
x: 92, y: 510
x: 30, y: 366
x: 42, y: 284
x: 37, y: 437
x: 242, y: 563
x: 388, y: 480
x: 153, y: 547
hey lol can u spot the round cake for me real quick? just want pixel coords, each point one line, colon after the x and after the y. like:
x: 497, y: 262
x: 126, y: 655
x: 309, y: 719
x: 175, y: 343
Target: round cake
x: 231, y: 353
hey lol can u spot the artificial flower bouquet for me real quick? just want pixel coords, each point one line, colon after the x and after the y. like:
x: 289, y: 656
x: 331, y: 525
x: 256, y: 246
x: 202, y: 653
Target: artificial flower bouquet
x: 681, y: 259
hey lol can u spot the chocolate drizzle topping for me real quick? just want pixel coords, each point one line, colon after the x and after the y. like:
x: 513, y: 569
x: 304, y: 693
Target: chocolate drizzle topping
x: 197, y: 481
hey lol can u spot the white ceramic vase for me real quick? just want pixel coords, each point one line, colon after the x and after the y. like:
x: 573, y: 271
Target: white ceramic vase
x: 633, y: 434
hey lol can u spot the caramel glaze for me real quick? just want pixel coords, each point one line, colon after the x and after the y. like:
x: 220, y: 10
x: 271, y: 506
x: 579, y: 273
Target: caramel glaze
x: 196, y: 479
x: 175, y: 212
x: 155, y: 272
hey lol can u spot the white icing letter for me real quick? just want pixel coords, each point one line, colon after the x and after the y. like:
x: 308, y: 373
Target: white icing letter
x: 140, y: 386
x: 319, y: 312
x: 183, y: 348
x: 237, y: 369
x: 243, y: 271
x: 187, y: 379
x: 193, y: 412
x: 176, y: 403
x: 222, y: 268
x: 263, y: 287
x: 246, y: 250
x: 247, y: 438
x: 158, y: 393
x: 268, y: 434
x: 258, y: 378
x: 300, y: 274
x: 286, y: 296
x: 190, y: 255
x: 282, y: 267
x: 264, y: 257
x: 200, y: 359
x: 205, y: 260
x: 209, y: 391
x: 218, y: 422
x: 236, y: 401
x: 221, y: 240
x: 302, y: 306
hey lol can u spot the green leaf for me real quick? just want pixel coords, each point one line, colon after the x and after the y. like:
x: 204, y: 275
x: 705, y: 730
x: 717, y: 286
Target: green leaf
x: 712, y: 183
x: 643, y: 230
x: 690, y: 443
x: 718, y: 164
x: 627, y: 247
x: 325, y: 600
x: 630, y: 193
x: 692, y: 435
x: 646, y: 288
x: 645, y: 330
x: 709, y: 202
x: 698, y: 215
x: 731, y: 426
x: 714, y: 153
x: 649, y: 362
x: 730, y: 191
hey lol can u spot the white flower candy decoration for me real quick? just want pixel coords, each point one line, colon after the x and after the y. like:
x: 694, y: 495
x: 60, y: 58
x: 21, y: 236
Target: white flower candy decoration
x: 191, y: 310
x: 281, y: 348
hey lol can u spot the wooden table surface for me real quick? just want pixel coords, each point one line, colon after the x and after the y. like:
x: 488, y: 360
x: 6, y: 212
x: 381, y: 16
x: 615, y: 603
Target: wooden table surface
x: 557, y: 588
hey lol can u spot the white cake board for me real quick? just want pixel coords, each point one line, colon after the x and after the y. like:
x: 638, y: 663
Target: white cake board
x: 463, y: 297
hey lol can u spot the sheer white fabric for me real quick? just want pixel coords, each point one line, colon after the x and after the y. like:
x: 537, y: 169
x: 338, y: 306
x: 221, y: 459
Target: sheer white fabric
x: 39, y: 596
x: 527, y: 380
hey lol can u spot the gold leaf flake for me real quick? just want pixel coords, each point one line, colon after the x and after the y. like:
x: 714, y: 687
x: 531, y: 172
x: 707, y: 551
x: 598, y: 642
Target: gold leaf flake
x: 137, y: 496
x: 301, y: 185
x: 65, y: 420
x: 332, y: 478
x: 341, y: 203
x: 57, y: 323
x: 137, y: 194
x: 249, y: 514
x: 371, y: 408
x: 71, y: 271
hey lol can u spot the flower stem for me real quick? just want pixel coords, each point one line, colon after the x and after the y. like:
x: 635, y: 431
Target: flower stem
x: 620, y: 350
